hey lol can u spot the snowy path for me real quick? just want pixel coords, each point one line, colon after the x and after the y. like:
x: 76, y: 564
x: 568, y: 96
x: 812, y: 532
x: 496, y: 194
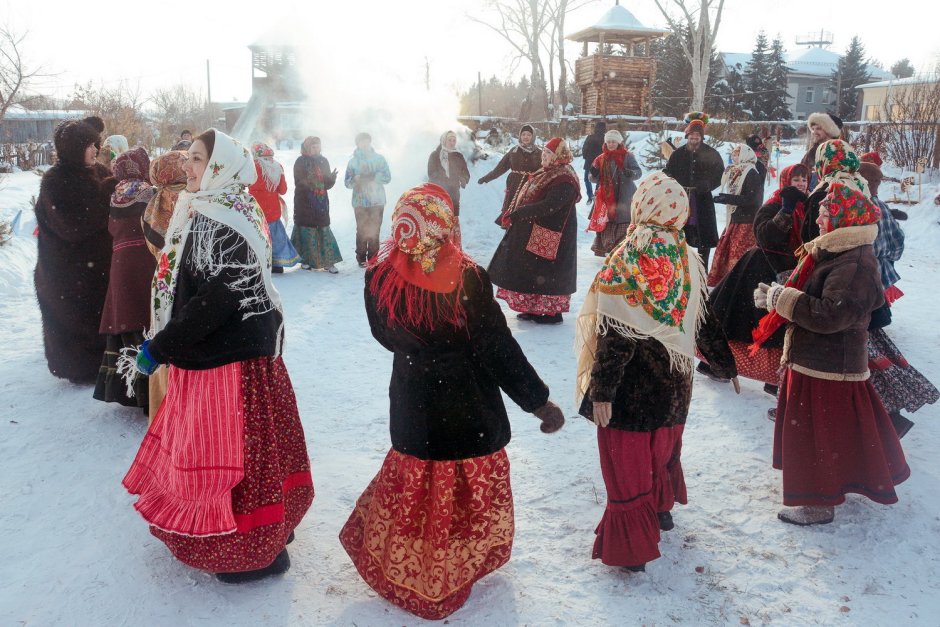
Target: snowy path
x: 75, y: 552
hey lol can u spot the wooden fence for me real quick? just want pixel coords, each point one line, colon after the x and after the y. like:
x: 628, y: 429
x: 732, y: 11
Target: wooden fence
x: 25, y: 156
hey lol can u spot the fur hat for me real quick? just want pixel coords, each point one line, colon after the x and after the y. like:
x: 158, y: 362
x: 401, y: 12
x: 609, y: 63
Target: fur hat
x: 829, y: 123
x: 872, y: 157
x: 696, y: 121
x: 871, y: 173
x: 71, y: 138
x: 98, y: 124
x: 613, y: 135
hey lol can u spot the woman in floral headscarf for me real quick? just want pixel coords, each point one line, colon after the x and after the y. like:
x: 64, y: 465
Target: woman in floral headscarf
x: 438, y: 516
x: 833, y: 435
x: 312, y: 236
x: 223, y: 474
x: 268, y: 190
x: 127, y: 306
x: 536, y: 263
x: 114, y: 146
x: 836, y: 162
x: 636, y: 338
x: 169, y: 179
x: 742, y: 191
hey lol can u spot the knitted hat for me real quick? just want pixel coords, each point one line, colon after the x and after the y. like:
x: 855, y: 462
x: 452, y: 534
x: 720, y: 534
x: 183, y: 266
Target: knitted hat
x: 613, y: 135
x: 71, y: 138
x: 553, y: 143
x: 829, y: 123
x: 872, y: 157
x: 697, y: 121
x: 848, y: 207
x: 871, y: 173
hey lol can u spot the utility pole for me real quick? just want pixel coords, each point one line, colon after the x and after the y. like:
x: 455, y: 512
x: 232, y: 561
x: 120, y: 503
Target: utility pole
x: 839, y: 93
x: 208, y: 85
x: 479, y: 94
x: 427, y: 74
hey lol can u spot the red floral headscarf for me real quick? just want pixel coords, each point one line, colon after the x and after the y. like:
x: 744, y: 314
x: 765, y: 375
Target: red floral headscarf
x: 848, y: 207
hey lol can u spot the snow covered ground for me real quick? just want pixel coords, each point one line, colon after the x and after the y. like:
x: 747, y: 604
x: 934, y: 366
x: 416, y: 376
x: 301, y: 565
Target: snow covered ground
x: 74, y: 552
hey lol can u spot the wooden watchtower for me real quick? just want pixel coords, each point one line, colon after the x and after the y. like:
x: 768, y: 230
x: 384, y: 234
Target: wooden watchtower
x: 616, y: 84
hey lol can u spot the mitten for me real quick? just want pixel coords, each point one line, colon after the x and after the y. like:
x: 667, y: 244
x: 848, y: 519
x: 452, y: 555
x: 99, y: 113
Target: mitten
x: 722, y: 199
x: 145, y: 361
x: 481, y: 180
x: 791, y: 196
x: 773, y: 295
x: 551, y: 416
x: 760, y: 296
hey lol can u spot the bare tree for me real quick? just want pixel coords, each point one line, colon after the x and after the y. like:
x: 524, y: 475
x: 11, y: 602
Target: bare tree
x: 15, y: 73
x: 698, y: 49
x: 121, y: 107
x: 912, y: 130
x: 180, y: 107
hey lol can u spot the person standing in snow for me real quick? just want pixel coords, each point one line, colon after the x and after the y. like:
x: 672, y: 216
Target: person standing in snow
x: 591, y: 149
x: 898, y: 383
x: 230, y: 411
x: 832, y: 434
x: 698, y: 167
x: 438, y: 516
x: 113, y: 147
x: 367, y: 174
x: 73, y: 254
x: 536, y: 263
x: 519, y: 161
x: 635, y: 341
x: 312, y: 236
x: 448, y: 168
x: 614, y: 172
x: 742, y: 191
x: 822, y: 127
x: 127, y: 305
x: 268, y: 190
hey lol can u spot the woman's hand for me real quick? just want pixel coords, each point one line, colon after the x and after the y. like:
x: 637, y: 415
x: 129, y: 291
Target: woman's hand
x: 551, y: 416
x: 602, y: 412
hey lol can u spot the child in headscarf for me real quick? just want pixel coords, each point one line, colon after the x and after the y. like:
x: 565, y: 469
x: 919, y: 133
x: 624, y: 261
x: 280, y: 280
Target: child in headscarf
x: 268, y: 190
x: 637, y: 332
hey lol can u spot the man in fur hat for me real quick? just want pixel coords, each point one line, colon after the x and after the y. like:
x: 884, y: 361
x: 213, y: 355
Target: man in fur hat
x: 698, y: 168
x: 822, y: 127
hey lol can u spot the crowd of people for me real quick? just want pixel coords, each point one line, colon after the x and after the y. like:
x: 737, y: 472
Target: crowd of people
x: 155, y: 283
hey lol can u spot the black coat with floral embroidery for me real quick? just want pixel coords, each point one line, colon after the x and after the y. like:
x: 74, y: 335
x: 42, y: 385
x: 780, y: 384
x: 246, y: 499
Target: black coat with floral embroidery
x: 635, y: 376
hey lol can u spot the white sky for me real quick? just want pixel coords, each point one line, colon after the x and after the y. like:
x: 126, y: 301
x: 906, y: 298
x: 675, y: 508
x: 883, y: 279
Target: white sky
x: 167, y: 42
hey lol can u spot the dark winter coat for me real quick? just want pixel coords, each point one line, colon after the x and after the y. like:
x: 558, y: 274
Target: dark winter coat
x: 207, y: 329
x: 749, y: 200
x: 72, y: 265
x: 518, y: 163
x: 732, y: 299
x: 459, y: 174
x: 445, y: 401
x: 312, y: 179
x: 624, y: 180
x: 127, y: 305
x: 699, y: 171
x: 635, y: 376
x: 830, y: 316
x: 592, y: 148
x: 516, y: 269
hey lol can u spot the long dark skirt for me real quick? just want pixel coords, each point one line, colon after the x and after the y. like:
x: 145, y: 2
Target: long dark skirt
x: 110, y: 387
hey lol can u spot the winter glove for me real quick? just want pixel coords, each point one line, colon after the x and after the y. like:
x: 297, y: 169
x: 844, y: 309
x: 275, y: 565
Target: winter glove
x: 723, y: 199
x: 601, y: 413
x: 551, y: 416
x: 760, y: 296
x: 766, y: 296
x: 481, y: 180
x: 791, y: 196
x: 146, y: 364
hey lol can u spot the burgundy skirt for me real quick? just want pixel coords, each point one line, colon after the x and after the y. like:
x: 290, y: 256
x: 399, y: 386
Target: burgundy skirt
x: 424, y: 532
x: 735, y: 241
x: 832, y: 438
x: 643, y: 476
x: 537, y: 304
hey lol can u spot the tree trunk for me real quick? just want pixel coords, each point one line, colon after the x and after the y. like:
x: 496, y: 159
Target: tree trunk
x: 562, y: 69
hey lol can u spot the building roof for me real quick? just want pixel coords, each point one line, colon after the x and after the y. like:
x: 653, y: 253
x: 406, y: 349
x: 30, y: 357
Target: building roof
x: 900, y: 82
x: 17, y: 112
x: 617, y: 25
x: 815, y: 61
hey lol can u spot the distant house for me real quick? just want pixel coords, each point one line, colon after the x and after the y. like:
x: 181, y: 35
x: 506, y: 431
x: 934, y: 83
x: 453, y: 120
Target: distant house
x: 881, y: 96
x: 808, y: 82
x: 20, y: 126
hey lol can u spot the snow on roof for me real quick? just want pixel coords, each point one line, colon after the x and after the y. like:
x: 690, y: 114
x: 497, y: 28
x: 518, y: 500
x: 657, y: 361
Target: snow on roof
x: 16, y: 112
x: 733, y: 59
x: 618, y: 21
x: 810, y: 62
x: 900, y: 82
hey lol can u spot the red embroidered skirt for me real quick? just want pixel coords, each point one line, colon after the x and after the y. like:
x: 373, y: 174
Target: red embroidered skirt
x: 538, y: 304
x: 223, y: 473
x: 643, y: 476
x: 832, y: 438
x: 735, y: 241
x: 424, y: 531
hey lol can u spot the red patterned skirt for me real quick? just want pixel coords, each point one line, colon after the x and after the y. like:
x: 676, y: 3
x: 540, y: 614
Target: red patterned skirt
x: 538, y: 304
x: 899, y: 384
x: 735, y: 241
x: 425, y: 531
x: 832, y: 438
x: 223, y: 473
x: 643, y: 474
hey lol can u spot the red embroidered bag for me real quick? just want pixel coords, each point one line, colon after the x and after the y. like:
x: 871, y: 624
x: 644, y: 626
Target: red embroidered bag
x: 545, y: 242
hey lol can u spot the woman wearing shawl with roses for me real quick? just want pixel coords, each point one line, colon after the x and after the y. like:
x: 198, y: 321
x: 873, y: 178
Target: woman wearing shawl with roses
x: 637, y: 333
x: 832, y: 435
x: 438, y: 516
x: 222, y: 474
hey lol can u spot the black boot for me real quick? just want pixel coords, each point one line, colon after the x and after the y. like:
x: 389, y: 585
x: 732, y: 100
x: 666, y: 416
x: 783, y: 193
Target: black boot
x: 901, y: 424
x: 279, y: 566
x: 771, y: 389
x: 639, y: 568
x: 277, y: 270
x: 526, y: 316
x: 556, y: 319
x: 705, y: 369
x: 665, y: 521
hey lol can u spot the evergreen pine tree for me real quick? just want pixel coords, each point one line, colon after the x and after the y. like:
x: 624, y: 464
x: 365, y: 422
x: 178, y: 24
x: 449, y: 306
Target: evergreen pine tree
x: 756, y: 80
x: 776, y: 104
x: 851, y: 72
x: 671, y: 94
x: 903, y: 68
